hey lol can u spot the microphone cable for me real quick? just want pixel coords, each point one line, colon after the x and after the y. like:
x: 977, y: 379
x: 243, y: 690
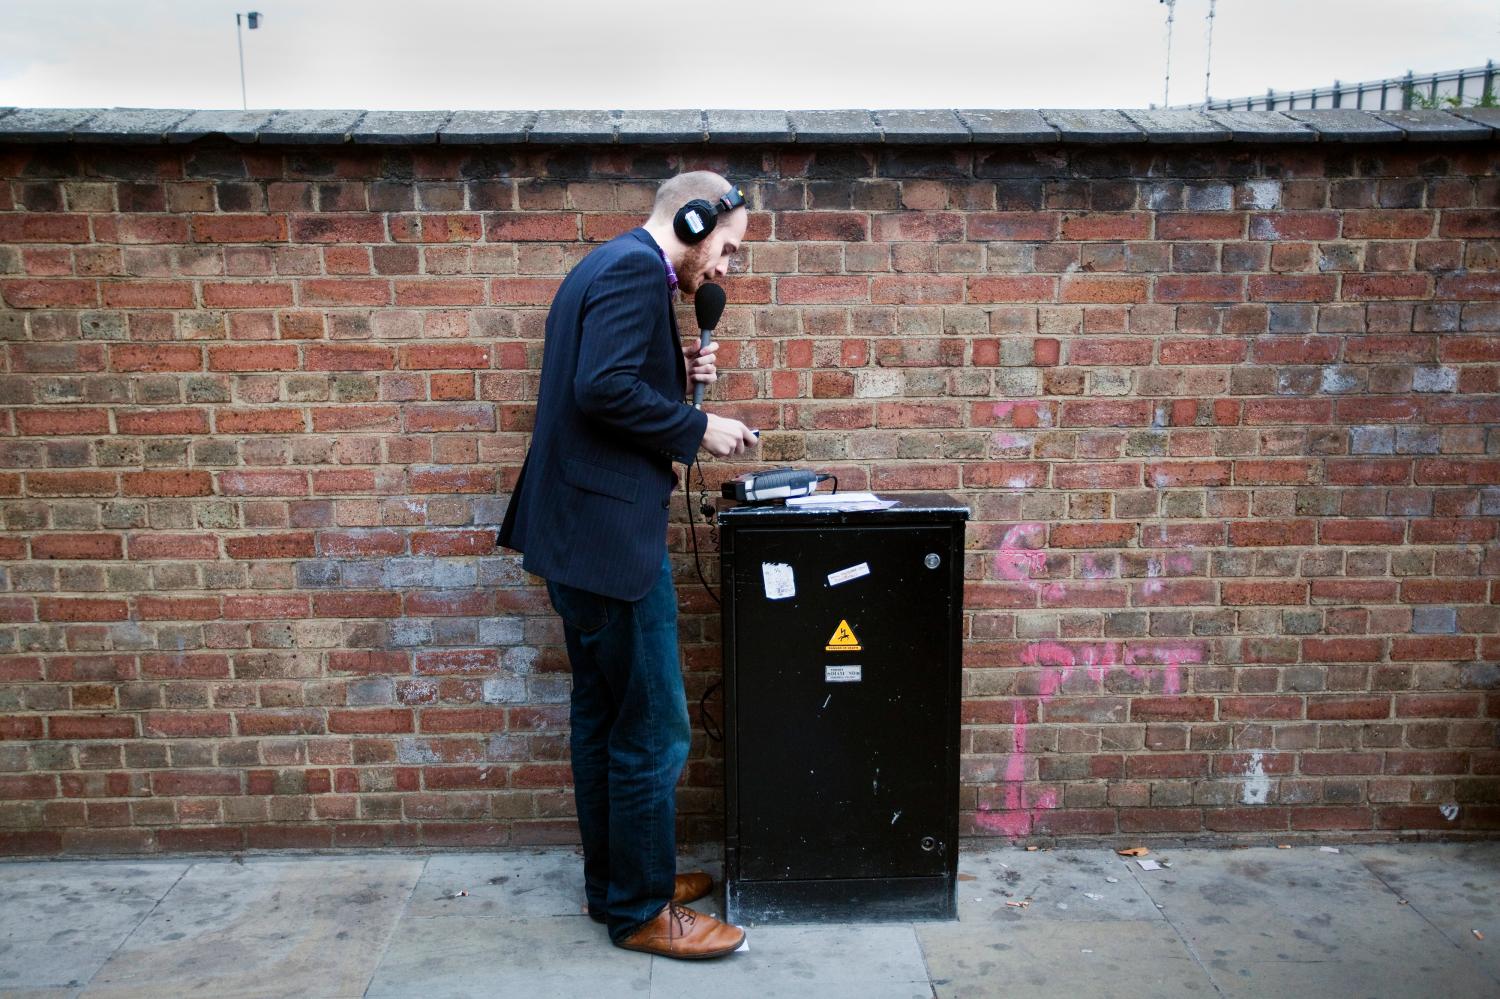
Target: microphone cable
x: 710, y: 725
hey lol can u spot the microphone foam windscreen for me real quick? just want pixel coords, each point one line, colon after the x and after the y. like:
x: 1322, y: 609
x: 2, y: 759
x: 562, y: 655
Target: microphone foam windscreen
x: 708, y: 304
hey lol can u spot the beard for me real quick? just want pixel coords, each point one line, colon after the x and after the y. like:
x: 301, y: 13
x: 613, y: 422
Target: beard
x: 690, y: 271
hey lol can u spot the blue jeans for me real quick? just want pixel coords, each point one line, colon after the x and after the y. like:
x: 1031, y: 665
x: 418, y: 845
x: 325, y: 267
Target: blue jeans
x: 630, y: 736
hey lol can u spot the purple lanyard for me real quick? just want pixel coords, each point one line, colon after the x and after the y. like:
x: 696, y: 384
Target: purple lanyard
x: 671, y: 271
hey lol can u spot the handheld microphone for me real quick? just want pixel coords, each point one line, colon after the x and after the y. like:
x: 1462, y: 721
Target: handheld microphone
x: 708, y: 304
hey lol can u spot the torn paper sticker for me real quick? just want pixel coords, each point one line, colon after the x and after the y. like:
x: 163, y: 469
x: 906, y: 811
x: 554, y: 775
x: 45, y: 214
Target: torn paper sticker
x: 780, y: 583
x: 844, y: 575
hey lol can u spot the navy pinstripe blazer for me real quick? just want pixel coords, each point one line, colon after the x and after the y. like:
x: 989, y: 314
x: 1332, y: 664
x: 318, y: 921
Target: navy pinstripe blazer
x: 590, y: 508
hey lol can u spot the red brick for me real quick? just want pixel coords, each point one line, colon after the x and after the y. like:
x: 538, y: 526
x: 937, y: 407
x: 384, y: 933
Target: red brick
x: 813, y: 226
x: 1370, y: 471
x: 1200, y: 288
x: 1100, y: 288
x: 147, y: 295
x: 71, y: 483
x: 49, y: 294
x: 76, y: 546
x: 1000, y: 226
x: 247, y: 295
x: 49, y: 422
x: 153, y: 608
x: 1432, y: 648
x: 1091, y: 535
x: 1214, y: 351
x: 915, y: 290
x: 445, y: 356
x: 259, y: 546
x: 1238, y: 594
x: 374, y: 720
x: 356, y: 604
x: 155, y: 357
x: 264, y: 606
x: 1353, y: 591
x: 1451, y: 705
x: 239, y: 228
x: 167, y: 482
x: 162, y: 422
x: 90, y: 727
x: 1177, y: 474
x: 1443, y: 591
x: 338, y: 228
x: 523, y: 291
x: 345, y: 291
x: 504, y: 227
x: 174, y: 546
x: 1481, y: 223
x: 1205, y: 226
x: 267, y: 483
x: 43, y: 227
x: 1388, y: 224
x: 436, y: 292
x: 1107, y: 225
x: 1294, y: 225
x: 1292, y: 287
x: 1016, y: 288
x: 1277, y: 708
x: 1377, y: 287
x: 816, y: 290
x: 1262, y: 533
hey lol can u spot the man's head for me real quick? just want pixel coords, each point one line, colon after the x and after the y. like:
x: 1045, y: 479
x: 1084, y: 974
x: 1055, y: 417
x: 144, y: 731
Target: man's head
x: 704, y: 261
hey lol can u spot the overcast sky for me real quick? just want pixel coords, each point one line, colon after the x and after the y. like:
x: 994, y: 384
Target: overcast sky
x: 419, y: 54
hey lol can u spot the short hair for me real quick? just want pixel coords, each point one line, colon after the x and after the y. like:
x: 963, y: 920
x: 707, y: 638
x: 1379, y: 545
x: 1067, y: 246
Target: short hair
x: 677, y: 191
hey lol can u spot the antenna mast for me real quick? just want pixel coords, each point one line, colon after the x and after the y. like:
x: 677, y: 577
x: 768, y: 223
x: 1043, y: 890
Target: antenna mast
x: 1166, y: 87
x: 1208, y: 72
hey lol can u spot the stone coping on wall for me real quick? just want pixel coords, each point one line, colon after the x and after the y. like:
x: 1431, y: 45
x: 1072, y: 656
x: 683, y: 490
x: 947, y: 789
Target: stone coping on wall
x: 148, y: 126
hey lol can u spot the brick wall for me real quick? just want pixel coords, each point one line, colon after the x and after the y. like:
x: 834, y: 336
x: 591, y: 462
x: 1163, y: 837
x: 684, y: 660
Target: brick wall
x: 1225, y: 415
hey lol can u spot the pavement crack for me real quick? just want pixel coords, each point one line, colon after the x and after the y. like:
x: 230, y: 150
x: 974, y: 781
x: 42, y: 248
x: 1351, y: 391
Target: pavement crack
x: 1457, y: 945
x: 1165, y: 914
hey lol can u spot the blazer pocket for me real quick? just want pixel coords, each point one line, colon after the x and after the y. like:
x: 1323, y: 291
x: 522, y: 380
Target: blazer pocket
x: 598, y: 479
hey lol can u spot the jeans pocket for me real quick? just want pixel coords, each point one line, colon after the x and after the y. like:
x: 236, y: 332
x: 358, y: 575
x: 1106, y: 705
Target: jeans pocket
x: 580, y: 610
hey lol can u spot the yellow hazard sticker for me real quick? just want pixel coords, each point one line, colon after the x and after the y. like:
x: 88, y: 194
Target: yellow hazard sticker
x: 843, y: 640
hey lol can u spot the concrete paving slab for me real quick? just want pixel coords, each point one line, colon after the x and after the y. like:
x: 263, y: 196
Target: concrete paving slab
x: 558, y: 957
x: 1113, y: 959
x: 1304, y: 922
x: 59, y: 922
x: 857, y: 962
x: 1454, y: 886
x: 311, y: 927
x: 1058, y: 882
x: 501, y: 885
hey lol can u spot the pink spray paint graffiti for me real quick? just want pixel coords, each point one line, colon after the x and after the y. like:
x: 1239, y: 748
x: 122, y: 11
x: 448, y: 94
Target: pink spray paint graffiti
x: 1019, y: 556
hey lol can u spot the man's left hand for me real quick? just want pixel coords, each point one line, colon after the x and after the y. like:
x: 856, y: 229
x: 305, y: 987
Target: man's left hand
x: 700, y: 365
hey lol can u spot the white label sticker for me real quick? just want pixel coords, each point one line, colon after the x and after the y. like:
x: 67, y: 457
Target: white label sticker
x: 844, y: 575
x: 843, y: 674
x: 780, y: 583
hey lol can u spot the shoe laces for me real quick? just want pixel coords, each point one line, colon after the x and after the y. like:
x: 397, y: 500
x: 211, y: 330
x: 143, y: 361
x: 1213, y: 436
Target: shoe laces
x: 684, y: 917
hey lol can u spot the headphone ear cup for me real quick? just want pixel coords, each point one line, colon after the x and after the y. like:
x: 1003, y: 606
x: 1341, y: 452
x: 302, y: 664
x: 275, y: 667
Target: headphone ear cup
x: 694, y: 221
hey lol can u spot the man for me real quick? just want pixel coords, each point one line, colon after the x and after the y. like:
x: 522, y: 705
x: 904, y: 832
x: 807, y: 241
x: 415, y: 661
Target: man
x: 590, y: 513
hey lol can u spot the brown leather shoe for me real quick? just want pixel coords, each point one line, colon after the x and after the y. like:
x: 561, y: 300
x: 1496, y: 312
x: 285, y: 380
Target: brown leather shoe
x: 680, y: 932
x: 689, y: 887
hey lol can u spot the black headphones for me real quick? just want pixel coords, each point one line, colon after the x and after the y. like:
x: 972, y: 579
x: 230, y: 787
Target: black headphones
x: 696, y: 219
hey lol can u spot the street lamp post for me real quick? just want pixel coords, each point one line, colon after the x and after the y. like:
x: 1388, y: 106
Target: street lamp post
x: 254, y: 20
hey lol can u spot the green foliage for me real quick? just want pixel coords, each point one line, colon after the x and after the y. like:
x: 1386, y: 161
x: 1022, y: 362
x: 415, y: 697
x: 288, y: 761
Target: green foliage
x: 1420, y: 100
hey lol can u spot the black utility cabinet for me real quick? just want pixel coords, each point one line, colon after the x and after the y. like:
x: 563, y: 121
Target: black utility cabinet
x: 842, y: 711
